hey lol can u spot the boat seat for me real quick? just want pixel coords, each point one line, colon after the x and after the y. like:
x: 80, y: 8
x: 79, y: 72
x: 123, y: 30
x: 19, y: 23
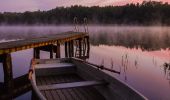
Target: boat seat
x: 54, y: 65
x: 71, y: 85
x: 54, y: 69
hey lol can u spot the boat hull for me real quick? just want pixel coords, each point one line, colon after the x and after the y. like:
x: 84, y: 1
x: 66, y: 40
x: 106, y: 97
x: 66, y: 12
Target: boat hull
x: 78, y: 77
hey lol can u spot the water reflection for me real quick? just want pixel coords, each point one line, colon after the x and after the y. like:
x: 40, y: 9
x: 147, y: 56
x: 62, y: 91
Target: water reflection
x: 145, y: 41
x: 136, y: 52
x: 166, y: 67
x: 138, y: 68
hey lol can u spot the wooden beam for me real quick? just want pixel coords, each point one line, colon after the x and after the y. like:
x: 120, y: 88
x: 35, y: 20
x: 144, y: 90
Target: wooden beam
x: 8, y: 76
x: 80, y: 47
x: 58, y: 51
x: 71, y: 85
x: 66, y: 49
x: 72, y: 48
x: 36, y: 53
x: 54, y: 65
x: 88, y: 46
x: 14, y: 46
x: 84, y: 47
x: 51, y: 51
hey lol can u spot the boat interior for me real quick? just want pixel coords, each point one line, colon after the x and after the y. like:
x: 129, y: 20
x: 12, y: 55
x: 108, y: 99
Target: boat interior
x: 73, y: 79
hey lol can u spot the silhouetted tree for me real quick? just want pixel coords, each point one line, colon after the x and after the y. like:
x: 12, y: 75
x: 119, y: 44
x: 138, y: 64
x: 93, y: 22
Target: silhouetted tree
x: 146, y: 13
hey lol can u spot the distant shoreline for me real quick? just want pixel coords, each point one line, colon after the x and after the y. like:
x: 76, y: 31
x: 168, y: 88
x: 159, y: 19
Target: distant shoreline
x: 103, y: 25
x: 148, y: 13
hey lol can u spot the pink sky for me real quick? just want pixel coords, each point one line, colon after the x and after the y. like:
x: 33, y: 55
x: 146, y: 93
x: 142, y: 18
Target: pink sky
x: 34, y: 5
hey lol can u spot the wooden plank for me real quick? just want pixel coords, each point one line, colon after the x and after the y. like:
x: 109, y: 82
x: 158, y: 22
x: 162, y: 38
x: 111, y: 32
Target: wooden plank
x: 60, y: 91
x: 14, y: 46
x: 47, y: 92
x: 80, y: 47
x: 43, y: 92
x: 88, y: 46
x: 72, y: 48
x: 8, y: 77
x: 94, y: 94
x: 58, y: 55
x: 70, y: 91
x: 65, y: 91
x: 54, y: 69
x: 51, y: 52
x: 84, y: 94
x: 71, y: 85
x: 69, y: 49
x: 78, y: 91
x: 66, y: 49
x: 53, y: 92
x: 79, y: 94
x: 54, y: 65
x: 36, y: 53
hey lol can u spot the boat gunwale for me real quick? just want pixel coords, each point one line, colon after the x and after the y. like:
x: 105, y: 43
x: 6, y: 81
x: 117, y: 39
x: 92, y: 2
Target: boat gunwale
x: 35, y: 88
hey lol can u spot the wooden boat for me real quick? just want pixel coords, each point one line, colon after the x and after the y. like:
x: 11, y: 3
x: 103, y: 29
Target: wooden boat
x: 75, y: 79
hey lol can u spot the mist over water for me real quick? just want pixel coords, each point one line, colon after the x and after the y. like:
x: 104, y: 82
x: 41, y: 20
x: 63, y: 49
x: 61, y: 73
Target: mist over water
x: 138, y: 52
x: 26, y: 32
x: 144, y: 37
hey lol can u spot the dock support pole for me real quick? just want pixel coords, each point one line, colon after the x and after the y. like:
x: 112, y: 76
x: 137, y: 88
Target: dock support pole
x: 84, y: 47
x: 58, y: 51
x: 37, y: 53
x: 51, y: 52
x: 88, y: 46
x: 80, y: 48
x: 72, y: 48
x: 66, y: 49
x: 8, y: 76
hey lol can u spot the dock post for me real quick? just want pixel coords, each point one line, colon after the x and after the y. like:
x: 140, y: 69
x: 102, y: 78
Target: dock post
x: 37, y: 53
x: 51, y: 51
x: 58, y: 51
x: 88, y: 46
x: 66, y: 49
x: 80, y: 48
x: 72, y: 48
x: 84, y: 47
x: 8, y: 76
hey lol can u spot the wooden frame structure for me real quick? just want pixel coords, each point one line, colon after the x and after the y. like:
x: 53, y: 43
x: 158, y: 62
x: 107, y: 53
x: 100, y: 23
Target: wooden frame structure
x: 51, y: 44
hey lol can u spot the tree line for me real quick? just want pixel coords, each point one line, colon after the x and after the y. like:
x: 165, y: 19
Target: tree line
x: 146, y: 13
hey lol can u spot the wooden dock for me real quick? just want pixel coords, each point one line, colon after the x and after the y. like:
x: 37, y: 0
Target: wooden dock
x: 60, y: 38
x: 76, y: 45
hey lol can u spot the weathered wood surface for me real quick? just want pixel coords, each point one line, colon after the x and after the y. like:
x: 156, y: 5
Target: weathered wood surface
x: 79, y: 93
x: 13, y: 46
x: 54, y: 69
x: 114, y: 90
x: 121, y: 90
x: 21, y: 85
x: 71, y: 85
x: 54, y: 65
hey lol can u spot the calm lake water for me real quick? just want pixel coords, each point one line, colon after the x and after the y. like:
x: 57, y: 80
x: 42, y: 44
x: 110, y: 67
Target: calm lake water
x: 139, y: 53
